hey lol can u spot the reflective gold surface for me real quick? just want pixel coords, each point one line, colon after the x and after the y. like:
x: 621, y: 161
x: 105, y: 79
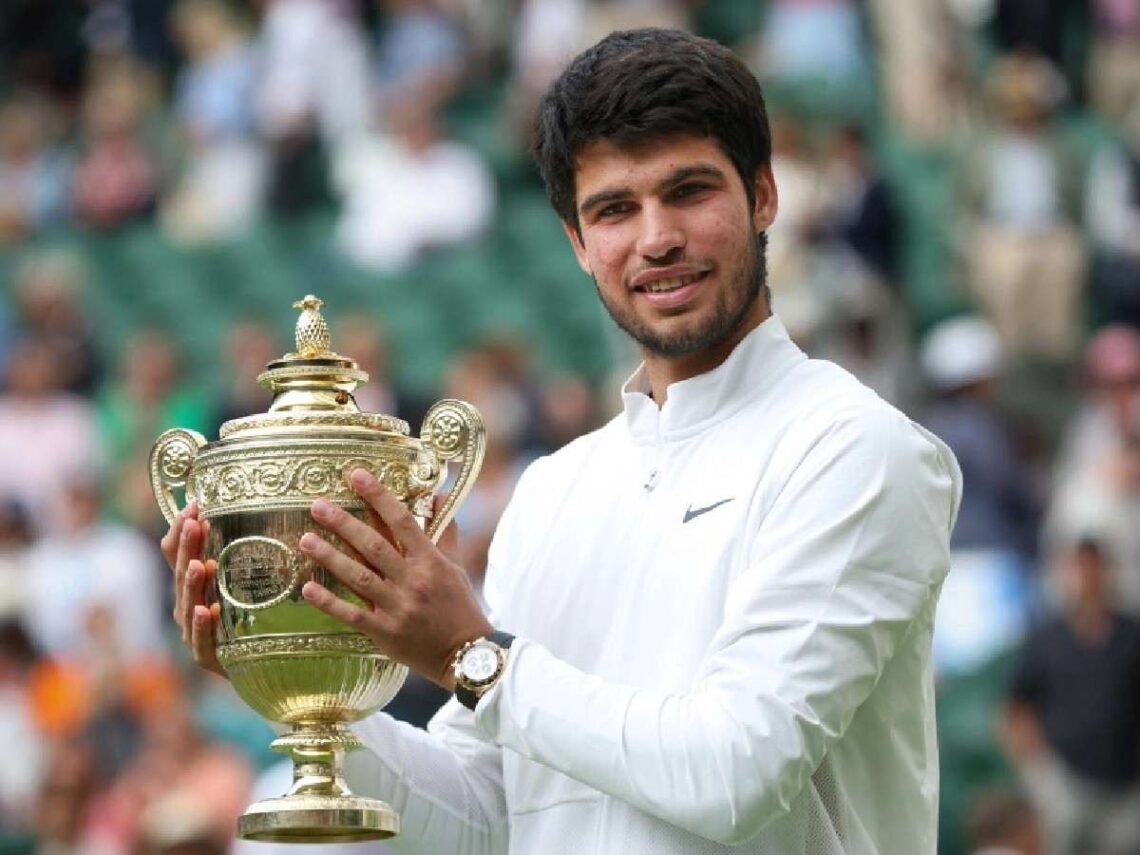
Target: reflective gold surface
x: 289, y: 661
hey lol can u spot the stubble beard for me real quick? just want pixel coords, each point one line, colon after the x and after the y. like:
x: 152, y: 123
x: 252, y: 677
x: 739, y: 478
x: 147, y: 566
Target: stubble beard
x: 733, y: 305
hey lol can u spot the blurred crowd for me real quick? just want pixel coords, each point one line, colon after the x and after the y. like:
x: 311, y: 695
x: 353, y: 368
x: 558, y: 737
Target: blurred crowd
x: 202, y: 118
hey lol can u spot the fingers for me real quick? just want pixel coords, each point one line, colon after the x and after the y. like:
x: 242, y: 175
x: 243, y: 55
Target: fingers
x: 391, y: 510
x: 359, y: 578
x: 373, y: 547
x: 360, y: 619
x: 189, y: 548
x: 193, y: 593
x: 169, y: 542
x: 202, y: 643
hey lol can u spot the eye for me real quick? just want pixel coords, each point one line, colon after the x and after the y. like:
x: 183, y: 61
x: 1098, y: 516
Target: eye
x: 688, y: 190
x: 614, y: 209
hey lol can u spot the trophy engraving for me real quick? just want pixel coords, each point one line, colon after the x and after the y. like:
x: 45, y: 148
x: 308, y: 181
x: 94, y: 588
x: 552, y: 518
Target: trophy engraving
x: 291, y: 662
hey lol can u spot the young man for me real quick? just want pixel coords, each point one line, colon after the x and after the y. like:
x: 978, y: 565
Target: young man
x: 721, y: 601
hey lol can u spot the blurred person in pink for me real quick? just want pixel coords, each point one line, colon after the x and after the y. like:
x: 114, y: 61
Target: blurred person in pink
x: 221, y: 187
x: 34, y: 173
x: 1072, y: 726
x: 116, y: 177
x: 47, y: 434
x: 1023, y: 247
x: 48, y: 288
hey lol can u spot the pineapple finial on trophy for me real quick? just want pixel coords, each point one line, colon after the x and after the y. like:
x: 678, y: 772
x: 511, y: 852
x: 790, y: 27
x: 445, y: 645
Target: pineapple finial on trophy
x: 312, y: 332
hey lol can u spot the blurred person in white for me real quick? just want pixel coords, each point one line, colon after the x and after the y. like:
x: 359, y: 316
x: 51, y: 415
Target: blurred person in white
x: 221, y: 187
x: 34, y: 173
x: 724, y: 597
x: 48, y: 287
x: 1022, y: 245
x: 1112, y: 213
x: 1072, y: 724
x: 46, y: 434
x: 117, y: 173
x: 89, y: 564
x: 1097, y: 481
x: 26, y: 754
x: 988, y: 596
x: 410, y: 190
x: 1003, y: 822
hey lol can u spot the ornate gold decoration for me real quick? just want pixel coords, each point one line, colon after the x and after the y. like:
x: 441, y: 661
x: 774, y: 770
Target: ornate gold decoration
x: 288, y: 660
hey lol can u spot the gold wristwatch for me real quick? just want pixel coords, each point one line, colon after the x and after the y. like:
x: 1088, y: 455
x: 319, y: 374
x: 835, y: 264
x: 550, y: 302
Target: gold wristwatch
x: 478, y: 665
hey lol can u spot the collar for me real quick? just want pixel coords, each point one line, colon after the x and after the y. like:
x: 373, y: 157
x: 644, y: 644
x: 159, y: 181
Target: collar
x: 698, y: 402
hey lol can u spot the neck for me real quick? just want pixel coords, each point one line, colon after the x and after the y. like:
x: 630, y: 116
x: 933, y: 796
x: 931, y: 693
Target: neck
x: 663, y: 371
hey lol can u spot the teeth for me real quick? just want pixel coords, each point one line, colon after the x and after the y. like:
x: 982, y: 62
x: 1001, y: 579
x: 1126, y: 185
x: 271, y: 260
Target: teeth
x: 671, y: 284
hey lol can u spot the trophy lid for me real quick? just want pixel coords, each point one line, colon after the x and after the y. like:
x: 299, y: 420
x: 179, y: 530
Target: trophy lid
x: 313, y: 385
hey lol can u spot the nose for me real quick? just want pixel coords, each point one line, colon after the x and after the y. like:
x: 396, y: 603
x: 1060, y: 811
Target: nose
x: 661, y: 238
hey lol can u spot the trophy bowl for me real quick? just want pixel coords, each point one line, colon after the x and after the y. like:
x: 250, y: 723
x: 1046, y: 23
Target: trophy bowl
x: 292, y: 663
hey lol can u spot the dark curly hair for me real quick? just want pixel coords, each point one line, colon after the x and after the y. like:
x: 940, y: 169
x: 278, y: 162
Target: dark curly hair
x: 637, y: 86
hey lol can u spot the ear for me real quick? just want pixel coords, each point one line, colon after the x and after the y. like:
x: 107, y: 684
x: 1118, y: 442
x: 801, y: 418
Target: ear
x: 767, y: 200
x: 578, y: 246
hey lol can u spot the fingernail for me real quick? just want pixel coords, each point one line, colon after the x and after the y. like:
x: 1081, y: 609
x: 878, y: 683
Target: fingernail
x: 362, y: 477
x: 323, y: 509
x: 309, y: 592
x: 308, y: 541
x: 192, y: 572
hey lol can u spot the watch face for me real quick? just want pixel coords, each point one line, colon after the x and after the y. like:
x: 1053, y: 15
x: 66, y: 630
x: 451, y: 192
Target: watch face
x: 480, y: 663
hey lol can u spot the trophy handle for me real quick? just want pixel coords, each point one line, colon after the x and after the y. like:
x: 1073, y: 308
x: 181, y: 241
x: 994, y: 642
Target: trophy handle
x: 454, y: 431
x: 170, y: 461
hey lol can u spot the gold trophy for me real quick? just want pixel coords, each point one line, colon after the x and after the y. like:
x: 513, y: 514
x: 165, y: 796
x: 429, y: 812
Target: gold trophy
x: 288, y: 660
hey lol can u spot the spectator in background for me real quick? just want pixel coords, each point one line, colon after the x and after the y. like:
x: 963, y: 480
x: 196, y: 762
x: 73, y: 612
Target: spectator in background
x: 116, y: 177
x: 420, y: 55
x: 1114, y: 68
x: 47, y: 434
x: 16, y: 538
x: 1033, y: 26
x: 312, y: 97
x: 147, y: 397
x: 985, y: 600
x: 250, y: 346
x: 1097, y: 483
x: 1112, y: 212
x: 1072, y: 726
x: 411, y: 191
x: 48, y: 288
x: 1024, y: 248
x: 813, y: 41
x: 26, y: 754
x: 1003, y: 823
x: 359, y: 336
x: 222, y: 183
x: 34, y: 173
x: 93, y: 581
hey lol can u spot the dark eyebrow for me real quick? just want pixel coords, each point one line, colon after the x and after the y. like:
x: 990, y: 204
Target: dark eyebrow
x: 682, y: 175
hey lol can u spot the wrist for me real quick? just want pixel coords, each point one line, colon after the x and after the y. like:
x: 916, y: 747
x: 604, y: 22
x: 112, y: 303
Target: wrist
x: 479, y: 665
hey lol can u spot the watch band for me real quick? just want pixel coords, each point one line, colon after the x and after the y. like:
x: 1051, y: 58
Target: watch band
x: 466, y: 696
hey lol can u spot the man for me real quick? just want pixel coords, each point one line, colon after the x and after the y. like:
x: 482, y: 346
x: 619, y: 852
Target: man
x: 722, y: 600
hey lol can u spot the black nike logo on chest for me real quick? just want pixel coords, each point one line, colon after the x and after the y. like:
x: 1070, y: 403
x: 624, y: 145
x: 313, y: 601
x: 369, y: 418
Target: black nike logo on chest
x: 692, y: 512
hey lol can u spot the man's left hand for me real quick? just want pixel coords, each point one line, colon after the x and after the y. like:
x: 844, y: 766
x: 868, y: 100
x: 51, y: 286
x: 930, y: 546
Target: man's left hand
x: 419, y: 605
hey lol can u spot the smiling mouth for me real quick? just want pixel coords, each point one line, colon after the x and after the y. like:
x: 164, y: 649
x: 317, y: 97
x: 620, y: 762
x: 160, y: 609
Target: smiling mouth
x: 663, y: 286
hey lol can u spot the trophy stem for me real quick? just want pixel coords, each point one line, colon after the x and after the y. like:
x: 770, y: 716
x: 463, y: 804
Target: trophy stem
x: 319, y: 807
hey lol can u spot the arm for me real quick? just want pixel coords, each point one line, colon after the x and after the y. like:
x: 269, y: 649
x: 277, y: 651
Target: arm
x: 850, y: 553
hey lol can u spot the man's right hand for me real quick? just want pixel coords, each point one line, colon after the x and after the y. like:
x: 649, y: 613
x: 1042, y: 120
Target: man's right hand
x: 182, y: 547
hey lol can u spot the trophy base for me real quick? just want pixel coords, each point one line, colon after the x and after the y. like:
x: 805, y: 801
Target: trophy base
x: 313, y: 818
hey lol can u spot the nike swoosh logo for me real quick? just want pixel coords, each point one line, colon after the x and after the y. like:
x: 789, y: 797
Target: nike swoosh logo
x: 691, y: 514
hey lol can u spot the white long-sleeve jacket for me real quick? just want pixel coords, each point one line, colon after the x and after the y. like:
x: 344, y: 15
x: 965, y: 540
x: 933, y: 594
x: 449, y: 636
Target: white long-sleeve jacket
x: 723, y: 610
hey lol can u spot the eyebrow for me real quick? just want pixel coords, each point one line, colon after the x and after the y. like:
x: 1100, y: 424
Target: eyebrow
x: 680, y: 176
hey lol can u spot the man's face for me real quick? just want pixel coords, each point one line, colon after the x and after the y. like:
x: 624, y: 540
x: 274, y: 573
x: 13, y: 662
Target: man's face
x: 670, y: 239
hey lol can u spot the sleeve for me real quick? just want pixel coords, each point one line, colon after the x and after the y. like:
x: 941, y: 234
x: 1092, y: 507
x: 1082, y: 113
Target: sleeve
x: 849, y: 554
x: 446, y: 783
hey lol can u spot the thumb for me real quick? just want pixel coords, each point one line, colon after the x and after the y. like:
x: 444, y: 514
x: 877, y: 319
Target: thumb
x: 448, y: 542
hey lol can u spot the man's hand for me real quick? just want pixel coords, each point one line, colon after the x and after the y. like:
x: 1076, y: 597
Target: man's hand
x: 182, y: 547
x: 422, y: 606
